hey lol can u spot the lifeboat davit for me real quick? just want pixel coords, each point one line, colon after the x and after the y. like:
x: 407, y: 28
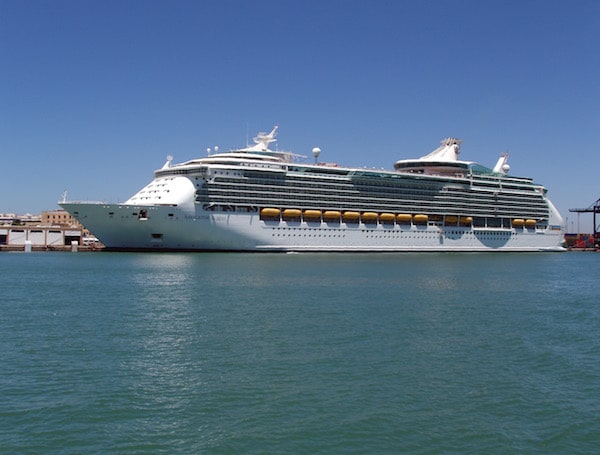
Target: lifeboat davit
x: 332, y: 215
x: 312, y: 215
x: 369, y: 217
x: 518, y: 222
x: 420, y: 219
x: 292, y: 214
x: 404, y: 218
x: 351, y: 216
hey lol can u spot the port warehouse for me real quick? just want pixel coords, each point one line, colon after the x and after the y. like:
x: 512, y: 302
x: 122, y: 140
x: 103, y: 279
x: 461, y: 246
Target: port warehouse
x: 52, y: 228
x: 39, y: 235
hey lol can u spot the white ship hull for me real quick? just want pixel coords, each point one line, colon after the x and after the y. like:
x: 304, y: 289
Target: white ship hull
x: 164, y: 228
x: 257, y: 199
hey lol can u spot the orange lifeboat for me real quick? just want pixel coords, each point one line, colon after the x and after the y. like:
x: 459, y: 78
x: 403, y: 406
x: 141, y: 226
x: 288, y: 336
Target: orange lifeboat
x: 387, y: 218
x: 292, y: 214
x: 530, y: 223
x: 369, y: 217
x: 420, y: 219
x: 404, y: 218
x: 465, y: 220
x: 332, y: 215
x: 450, y: 220
x: 518, y: 222
x: 312, y: 215
x: 350, y: 217
x: 269, y: 213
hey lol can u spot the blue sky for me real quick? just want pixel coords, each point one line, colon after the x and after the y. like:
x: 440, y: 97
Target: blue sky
x: 95, y: 94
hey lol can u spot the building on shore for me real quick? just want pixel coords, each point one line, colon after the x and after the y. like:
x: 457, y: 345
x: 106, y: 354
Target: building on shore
x: 21, y: 220
x: 51, y: 229
x: 58, y: 218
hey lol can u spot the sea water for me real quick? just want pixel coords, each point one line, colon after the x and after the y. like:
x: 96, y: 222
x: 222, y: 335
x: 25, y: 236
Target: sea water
x: 299, y: 353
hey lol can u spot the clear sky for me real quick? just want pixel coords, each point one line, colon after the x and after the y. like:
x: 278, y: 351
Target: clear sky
x: 95, y: 94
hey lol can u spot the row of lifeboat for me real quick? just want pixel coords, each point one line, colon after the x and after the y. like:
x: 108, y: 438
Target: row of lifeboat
x: 520, y: 222
x: 354, y: 217
x: 274, y: 214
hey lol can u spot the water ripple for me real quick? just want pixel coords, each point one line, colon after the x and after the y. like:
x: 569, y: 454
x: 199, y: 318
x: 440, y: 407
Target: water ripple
x: 307, y: 353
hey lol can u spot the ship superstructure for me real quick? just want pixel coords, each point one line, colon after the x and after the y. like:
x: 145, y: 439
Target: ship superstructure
x: 258, y: 199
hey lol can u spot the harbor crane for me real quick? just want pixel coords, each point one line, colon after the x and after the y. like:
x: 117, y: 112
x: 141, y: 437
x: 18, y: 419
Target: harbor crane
x: 595, y: 209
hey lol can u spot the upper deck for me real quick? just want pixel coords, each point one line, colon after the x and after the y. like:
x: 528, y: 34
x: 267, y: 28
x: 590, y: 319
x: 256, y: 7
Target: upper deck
x: 442, y: 163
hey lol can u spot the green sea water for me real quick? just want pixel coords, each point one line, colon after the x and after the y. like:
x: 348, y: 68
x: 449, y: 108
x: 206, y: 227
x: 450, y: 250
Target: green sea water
x: 299, y: 353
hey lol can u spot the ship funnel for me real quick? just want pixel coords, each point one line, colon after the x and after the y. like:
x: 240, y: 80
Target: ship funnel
x: 448, y: 150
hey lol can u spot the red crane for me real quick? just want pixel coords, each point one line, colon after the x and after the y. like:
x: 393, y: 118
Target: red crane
x: 595, y: 209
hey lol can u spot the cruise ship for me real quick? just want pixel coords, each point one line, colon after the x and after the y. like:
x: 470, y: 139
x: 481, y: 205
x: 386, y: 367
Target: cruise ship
x: 258, y: 199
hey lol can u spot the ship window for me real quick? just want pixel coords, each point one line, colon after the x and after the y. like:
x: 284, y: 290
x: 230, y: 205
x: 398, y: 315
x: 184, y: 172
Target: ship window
x: 157, y: 236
